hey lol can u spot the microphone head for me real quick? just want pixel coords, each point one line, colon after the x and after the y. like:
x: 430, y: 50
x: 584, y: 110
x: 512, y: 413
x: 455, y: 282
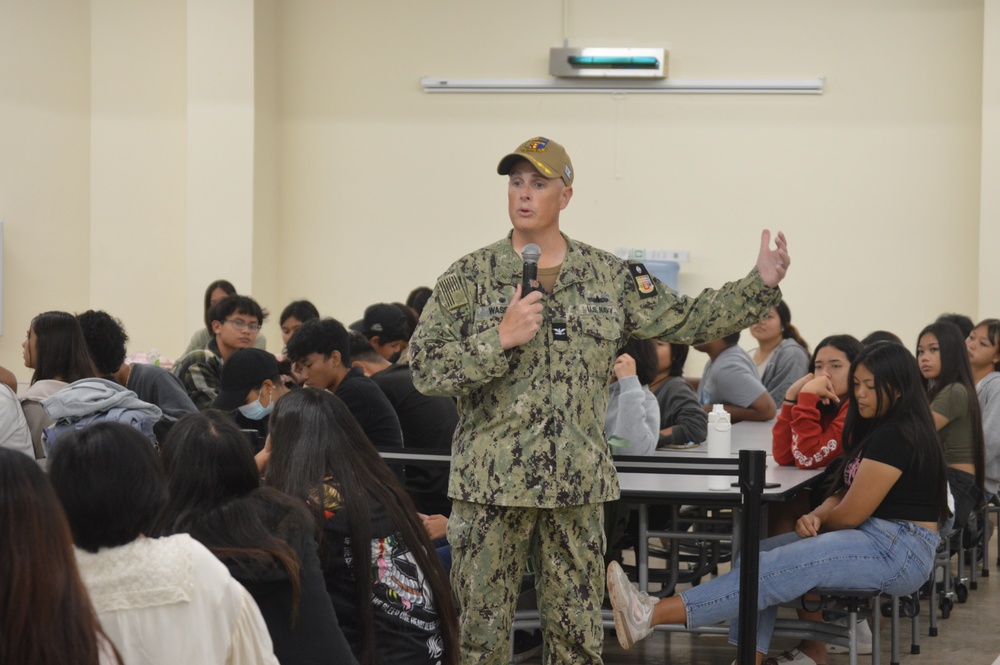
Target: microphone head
x: 531, y: 253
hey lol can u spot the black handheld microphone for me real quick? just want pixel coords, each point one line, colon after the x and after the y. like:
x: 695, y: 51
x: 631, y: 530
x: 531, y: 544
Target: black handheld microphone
x: 529, y: 277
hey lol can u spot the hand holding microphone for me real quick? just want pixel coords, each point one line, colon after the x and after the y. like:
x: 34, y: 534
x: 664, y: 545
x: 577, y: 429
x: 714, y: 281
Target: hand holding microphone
x: 523, y: 318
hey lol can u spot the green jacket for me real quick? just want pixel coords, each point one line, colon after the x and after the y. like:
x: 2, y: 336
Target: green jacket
x: 531, y: 420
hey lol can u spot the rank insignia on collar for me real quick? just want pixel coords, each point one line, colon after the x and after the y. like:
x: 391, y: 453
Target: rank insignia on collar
x: 643, y: 280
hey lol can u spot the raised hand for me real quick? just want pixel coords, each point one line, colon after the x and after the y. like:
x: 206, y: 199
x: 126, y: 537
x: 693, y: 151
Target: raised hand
x: 772, y: 264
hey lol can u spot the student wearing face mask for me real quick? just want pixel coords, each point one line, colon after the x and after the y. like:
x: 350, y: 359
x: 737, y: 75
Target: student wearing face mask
x: 250, y: 385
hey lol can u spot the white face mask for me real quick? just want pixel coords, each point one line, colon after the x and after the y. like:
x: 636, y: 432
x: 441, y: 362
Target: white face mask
x: 257, y: 411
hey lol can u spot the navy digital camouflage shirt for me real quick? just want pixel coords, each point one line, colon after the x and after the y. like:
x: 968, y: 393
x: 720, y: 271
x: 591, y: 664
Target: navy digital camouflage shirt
x: 531, y: 427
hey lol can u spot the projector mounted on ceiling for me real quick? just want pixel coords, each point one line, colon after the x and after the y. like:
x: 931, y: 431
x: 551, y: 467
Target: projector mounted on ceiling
x: 594, y: 62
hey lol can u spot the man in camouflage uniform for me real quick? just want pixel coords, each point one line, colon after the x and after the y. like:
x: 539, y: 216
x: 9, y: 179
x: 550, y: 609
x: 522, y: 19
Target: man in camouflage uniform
x: 530, y: 467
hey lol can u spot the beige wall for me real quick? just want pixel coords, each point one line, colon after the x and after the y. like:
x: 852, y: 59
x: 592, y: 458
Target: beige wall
x: 138, y: 127
x: 299, y: 128
x: 44, y: 164
x: 989, y: 231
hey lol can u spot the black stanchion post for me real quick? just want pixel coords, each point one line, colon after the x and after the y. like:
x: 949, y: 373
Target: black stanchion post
x: 752, y: 464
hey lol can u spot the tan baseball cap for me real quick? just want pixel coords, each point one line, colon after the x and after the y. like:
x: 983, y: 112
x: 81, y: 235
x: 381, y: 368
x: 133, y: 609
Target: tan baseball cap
x: 546, y: 155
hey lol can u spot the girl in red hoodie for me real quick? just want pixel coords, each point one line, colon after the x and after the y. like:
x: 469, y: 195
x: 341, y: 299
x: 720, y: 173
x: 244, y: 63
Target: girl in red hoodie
x: 807, y: 433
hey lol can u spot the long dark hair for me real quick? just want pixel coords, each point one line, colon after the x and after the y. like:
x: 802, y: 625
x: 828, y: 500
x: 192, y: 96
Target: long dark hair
x: 46, y: 617
x: 216, y: 497
x: 955, y: 368
x: 60, y: 348
x: 788, y: 331
x: 897, y: 378
x: 316, y: 440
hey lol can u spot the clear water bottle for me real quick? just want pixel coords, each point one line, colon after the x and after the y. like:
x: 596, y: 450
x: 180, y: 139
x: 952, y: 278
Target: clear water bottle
x: 154, y: 357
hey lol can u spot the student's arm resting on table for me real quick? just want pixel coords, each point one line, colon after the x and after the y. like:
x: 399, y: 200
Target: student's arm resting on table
x: 761, y: 409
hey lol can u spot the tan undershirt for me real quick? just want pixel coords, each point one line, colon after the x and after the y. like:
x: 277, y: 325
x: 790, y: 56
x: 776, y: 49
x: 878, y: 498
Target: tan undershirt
x: 547, y: 277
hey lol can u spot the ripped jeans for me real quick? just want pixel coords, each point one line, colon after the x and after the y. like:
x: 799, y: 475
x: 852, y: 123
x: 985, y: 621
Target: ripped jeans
x: 895, y: 557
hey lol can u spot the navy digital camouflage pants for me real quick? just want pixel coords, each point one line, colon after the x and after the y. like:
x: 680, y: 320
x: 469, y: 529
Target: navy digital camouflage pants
x: 491, y: 549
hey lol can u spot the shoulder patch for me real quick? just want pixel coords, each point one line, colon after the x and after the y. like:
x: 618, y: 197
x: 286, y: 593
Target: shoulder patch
x: 449, y: 292
x: 643, y: 280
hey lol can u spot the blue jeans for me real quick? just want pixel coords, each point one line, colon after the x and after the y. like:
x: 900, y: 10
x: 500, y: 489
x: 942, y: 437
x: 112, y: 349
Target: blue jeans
x: 895, y: 557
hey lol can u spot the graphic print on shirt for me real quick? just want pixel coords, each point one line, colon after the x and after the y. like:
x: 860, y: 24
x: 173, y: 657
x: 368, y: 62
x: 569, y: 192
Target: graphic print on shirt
x: 399, y: 589
x: 850, y: 469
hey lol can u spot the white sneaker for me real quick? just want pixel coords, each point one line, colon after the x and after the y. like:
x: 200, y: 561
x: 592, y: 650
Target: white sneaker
x: 864, y: 633
x: 633, y: 609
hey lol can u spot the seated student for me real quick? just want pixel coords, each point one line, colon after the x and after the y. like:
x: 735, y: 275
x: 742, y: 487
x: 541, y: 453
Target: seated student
x: 56, y: 349
x: 322, y: 351
x: 264, y: 537
x: 160, y: 600
x: 632, y: 427
x: 730, y: 378
x: 214, y: 294
x: 427, y: 422
x: 248, y: 390
x: 390, y: 594
x: 783, y: 355
x: 47, y: 616
x: 387, y: 330
x: 682, y: 420
x: 632, y: 422
x: 807, y: 433
x: 235, y: 322
x: 878, y: 529
x: 944, y: 363
x: 106, y: 339
x: 983, y: 344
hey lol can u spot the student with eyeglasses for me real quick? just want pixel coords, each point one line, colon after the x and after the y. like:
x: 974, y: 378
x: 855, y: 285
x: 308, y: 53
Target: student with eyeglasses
x: 215, y: 292
x: 234, y: 323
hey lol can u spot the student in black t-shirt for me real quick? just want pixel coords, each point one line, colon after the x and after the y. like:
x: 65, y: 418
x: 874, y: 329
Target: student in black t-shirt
x: 878, y: 528
x: 390, y: 593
